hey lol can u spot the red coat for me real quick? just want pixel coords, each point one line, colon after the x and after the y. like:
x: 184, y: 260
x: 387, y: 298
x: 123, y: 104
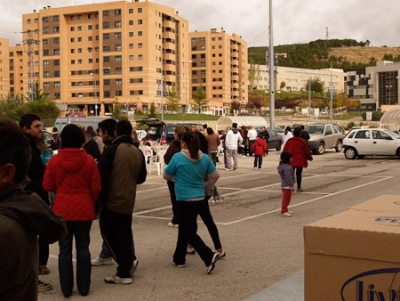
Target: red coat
x: 259, y: 147
x: 74, y: 177
x: 300, y: 151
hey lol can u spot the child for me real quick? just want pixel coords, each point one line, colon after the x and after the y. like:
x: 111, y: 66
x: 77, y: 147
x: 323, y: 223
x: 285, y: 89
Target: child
x: 259, y: 148
x: 287, y: 182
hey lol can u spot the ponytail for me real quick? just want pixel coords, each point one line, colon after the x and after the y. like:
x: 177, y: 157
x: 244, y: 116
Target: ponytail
x: 193, y: 143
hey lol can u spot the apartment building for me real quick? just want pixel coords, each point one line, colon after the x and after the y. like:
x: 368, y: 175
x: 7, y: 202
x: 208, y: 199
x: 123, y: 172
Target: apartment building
x: 219, y: 64
x: 91, y: 56
x: 4, y: 68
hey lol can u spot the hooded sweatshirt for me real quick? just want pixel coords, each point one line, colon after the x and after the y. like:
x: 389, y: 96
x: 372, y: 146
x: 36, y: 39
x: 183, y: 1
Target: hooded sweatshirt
x: 232, y: 139
x: 23, y: 216
x: 73, y: 175
x: 189, y: 174
x: 287, y: 175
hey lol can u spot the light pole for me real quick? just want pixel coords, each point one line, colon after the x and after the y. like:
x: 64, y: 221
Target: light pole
x: 389, y: 87
x: 187, y: 88
x: 95, y: 97
x: 309, y: 98
x: 162, y: 85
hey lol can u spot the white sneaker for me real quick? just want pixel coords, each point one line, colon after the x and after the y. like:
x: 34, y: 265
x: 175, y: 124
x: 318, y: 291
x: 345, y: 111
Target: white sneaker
x: 102, y: 261
x: 255, y: 167
x: 286, y: 214
x: 117, y: 280
x: 170, y: 224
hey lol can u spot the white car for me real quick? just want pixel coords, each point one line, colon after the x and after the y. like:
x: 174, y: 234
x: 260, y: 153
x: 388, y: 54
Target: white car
x: 371, y: 142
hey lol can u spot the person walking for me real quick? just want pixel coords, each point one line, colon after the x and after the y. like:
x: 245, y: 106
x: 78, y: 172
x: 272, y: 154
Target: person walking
x: 175, y: 147
x: 259, y: 149
x: 287, y: 182
x: 190, y: 167
x: 252, y: 136
x: 304, y: 134
x: 232, y: 140
x: 212, y: 141
x: 23, y: 217
x: 32, y: 127
x: 287, y: 135
x: 74, y: 177
x: 122, y: 166
x: 301, y: 154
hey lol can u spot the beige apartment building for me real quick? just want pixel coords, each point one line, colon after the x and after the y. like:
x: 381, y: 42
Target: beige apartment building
x: 219, y: 64
x: 4, y: 68
x: 91, y: 56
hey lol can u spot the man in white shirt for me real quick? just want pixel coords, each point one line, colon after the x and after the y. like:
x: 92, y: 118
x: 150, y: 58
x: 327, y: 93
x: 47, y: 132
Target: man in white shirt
x: 252, y: 136
x: 232, y: 140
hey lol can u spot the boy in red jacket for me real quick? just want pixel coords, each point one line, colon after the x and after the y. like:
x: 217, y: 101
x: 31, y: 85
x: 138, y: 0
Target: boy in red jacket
x: 259, y: 148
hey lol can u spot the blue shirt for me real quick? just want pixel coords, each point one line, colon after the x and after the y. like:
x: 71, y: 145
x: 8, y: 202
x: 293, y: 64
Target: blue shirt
x: 189, y: 176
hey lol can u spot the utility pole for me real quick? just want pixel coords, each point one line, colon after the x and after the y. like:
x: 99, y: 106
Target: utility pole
x: 30, y: 41
x: 271, y: 71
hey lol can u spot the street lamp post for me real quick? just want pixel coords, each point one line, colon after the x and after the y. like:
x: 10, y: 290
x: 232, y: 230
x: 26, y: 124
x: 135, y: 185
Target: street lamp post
x: 187, y: 88
x: 95, y: 97
x: 162, y: 85
x: 309, y: 98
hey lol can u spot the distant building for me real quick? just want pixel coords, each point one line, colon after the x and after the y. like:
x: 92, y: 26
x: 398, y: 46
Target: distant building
x: 4, y: 68
x: 219, y: 64
x: 375, y: 86
x: 91, y: 56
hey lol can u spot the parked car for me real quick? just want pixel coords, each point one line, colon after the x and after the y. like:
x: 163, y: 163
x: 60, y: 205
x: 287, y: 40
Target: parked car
x: 159, y: 131
x: 325, y: 136
x: 275, y: 140
x: 371, y: 142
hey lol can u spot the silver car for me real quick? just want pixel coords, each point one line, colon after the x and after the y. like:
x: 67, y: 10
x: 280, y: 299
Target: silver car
x: 371, y: 142
x: 325, y: 136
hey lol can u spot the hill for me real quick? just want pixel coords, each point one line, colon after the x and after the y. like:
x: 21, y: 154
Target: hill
x: 344, y: 54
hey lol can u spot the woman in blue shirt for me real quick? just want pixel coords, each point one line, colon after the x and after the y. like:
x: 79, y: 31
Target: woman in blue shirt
x: 188, y: 168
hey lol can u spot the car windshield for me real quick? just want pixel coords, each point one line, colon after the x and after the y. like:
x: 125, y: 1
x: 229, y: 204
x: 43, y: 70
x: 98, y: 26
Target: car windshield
x: 315, y: 129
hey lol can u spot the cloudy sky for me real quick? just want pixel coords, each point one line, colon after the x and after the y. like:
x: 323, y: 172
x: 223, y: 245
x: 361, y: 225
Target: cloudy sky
x: 294, y: 21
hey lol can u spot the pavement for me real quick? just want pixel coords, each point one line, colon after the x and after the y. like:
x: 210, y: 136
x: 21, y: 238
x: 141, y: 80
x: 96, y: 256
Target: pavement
x: 265, y: 257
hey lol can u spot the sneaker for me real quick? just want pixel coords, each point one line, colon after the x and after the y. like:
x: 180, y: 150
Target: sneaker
x: 43, y: 287
x: 190, y: 251
x: 291, y: 212
x: 102, y: 261
x: 43, y: 270
x: 171, y: 224
x: 133, y: 268
x: 227, y: 169
x: 255, y: 167
x: 212, y: 264
x: 234, y: 168
x: 117, y: 280
x: 286, y: 214
x: 178, y: 265
x: 300, y: 190
x: 221, y: 254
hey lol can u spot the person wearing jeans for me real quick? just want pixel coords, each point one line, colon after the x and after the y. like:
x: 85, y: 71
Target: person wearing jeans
x: 232, y: 140
x: 74, y: 176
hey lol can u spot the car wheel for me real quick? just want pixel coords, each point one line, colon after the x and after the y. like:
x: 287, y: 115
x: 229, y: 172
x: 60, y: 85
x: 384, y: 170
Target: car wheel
x: 350, y: 153
x: 321, y: 149
x: 338, y: 147
x: 278, y: 147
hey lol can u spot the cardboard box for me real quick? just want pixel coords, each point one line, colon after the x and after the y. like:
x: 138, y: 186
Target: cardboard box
x: 355, y: 255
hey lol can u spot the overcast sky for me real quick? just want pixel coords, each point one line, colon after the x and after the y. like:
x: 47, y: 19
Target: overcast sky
x: 294, y: 21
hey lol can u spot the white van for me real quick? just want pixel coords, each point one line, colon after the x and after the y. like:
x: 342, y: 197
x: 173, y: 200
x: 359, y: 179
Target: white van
x: 61, y: 122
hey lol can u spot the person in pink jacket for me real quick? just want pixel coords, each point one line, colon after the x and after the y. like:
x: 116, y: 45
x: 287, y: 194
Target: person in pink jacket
x: 73, y: 176
x: 259, y: 148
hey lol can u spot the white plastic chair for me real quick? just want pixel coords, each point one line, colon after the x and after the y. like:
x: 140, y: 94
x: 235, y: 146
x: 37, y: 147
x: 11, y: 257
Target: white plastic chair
x: 158, y: 161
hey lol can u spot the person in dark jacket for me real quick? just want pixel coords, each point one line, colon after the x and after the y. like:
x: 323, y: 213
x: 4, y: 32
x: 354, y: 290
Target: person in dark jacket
x: 32, y: 127
x: 122, y: 166
x: 74, y: 175
x: 175, y: 147
x: 23, y: 216
x: 259, y: 148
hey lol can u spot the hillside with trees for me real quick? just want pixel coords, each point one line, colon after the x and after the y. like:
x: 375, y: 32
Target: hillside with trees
x: 345, y: 54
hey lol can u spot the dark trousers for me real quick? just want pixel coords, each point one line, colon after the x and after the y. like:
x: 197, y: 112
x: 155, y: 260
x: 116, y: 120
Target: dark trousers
x: 81, y: 231
x: 43, y: 252
x: 187, y: 233
x: 251, y: 147
x: 208, y: 220
x: 258, y: 159
x: 299, y: 172
x: 116, y: 229
x: 171, y: 188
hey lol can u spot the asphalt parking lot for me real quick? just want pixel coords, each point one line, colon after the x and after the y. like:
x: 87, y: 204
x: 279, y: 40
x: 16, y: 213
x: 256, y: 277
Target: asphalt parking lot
x: 264, y: 250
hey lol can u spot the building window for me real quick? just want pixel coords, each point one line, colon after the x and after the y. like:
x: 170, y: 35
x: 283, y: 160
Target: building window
x: 72, y: 62
x: 72, y: 28
x: 139, y: 10
x: 118, y: 93
x: 140, y: 45
x: 118, y: 70
x: 140, y: 33
x: 45, y: 20
x: 45, y: 30
x: 46, y: 85
x: 28, y: 21
x: 56, y: 41
x: 131, y: 46
x: 72, y: 40
x: 140, y: 57
x: 131, y: 10
x: 118, y: 24
x: 79, y: 50
x: 106, y: 59
x: 118, y: 35
x: 118, y: 82
x: 118, y: 59
x: 194, y: 40
x: 131, y: 34
x: 46, y: 41
x: 79, y: 17
x: 118, y: 47
x: 130, y: 22
x: 46, y: 74
x: 56, y: 51
x: 117, y: 12
x: 140, y: 21
x: 79, y: 61
x: 56, y: 62
x: 106, y: 48
x: 131, y: 57
x: 106, y: 13
x: 55, y: 19
x: 106, y: 36
x: 79, y: 39
x: 90, y: 38
x: 90, y: 27
x: 106, y: 25
x: 106, y: 82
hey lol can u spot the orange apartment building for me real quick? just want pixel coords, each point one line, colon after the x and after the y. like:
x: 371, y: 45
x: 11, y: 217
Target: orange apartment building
x: 219, y: 64
x: 91, y: 56
x: 4, y: 68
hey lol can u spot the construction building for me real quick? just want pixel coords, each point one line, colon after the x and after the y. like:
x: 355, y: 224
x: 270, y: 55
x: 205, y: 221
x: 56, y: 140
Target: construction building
x: 4, y: 69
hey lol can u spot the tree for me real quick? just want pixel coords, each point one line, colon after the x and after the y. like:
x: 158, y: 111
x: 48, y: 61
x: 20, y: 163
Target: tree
x: 283, y: 85
x: 117, y: 111
x: 254, y: 74
x: 152, y: 111
x: 173, y: 99
x: 9, y: 104
x: 39, y: 95
x: 199, y: 98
